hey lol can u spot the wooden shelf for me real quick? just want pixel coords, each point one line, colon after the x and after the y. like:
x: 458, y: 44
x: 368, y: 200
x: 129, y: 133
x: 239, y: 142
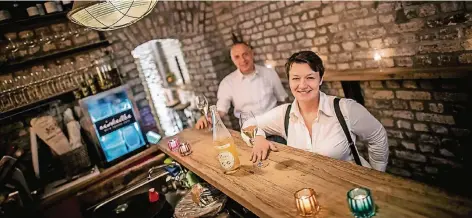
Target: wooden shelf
x: 11, y: 66
x: 398, y: 73
x: 31, y: 22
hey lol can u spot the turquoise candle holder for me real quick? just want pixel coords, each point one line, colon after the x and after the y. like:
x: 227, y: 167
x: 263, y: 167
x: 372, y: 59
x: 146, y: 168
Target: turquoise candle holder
x: 361, y: 203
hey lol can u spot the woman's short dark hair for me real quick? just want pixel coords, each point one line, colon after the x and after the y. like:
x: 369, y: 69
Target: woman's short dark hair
x: 308, y: 57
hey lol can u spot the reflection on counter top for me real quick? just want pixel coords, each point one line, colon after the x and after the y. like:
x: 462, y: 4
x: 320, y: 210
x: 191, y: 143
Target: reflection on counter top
x: 269, y: 192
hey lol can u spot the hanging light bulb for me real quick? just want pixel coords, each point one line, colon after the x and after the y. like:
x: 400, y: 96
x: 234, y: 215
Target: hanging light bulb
x: 110, y: 14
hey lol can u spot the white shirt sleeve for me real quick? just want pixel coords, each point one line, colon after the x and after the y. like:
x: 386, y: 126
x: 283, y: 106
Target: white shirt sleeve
x: 224, y: 97
x: 368, y: 128
x: 272, y: 122
x: 279, y: 89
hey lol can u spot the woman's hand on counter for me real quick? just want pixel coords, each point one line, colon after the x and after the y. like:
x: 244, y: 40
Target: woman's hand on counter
x: 202, y: 123
x: 261, y: 149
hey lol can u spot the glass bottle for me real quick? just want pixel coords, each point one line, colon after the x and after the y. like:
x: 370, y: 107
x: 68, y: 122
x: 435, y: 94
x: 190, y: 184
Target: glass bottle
x: 91, y: 84
x: 224, y: 144
x: 84, y: 89
x: 67, y: 4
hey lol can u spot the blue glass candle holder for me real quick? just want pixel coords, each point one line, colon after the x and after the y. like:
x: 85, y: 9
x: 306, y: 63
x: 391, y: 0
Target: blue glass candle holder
x: 361, y: 203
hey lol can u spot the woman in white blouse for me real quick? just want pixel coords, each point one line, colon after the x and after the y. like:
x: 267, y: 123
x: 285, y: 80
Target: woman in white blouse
x: 312, y: 122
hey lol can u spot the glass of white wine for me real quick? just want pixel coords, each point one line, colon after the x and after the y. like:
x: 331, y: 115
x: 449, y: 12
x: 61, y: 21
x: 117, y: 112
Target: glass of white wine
x: 202, y: 105
x: 248, y: 120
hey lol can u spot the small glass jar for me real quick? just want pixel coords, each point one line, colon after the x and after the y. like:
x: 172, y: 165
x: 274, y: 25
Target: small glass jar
x: 307, y: 204
x: 173, y: 144
x: 185, y: 149
x: 361, y: 203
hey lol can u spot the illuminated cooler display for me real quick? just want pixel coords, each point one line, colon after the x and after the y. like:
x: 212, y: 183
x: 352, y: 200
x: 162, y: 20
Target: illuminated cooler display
x: 115, y: 120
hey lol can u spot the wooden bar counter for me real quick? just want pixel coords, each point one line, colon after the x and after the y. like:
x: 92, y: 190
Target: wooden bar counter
x: 269, y: 192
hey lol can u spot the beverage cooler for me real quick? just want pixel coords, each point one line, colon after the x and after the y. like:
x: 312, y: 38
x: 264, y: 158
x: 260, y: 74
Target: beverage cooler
x: 114, y: 125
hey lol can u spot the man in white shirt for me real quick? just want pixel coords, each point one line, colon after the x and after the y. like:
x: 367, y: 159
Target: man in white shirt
x: 249, y: 88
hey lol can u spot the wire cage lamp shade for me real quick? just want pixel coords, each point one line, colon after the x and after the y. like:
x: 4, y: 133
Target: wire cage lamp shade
x: 110, y: 14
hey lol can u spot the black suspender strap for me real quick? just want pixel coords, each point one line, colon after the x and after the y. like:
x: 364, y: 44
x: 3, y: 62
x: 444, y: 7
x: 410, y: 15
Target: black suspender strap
x: 341, y: 120
x: 286, y: 120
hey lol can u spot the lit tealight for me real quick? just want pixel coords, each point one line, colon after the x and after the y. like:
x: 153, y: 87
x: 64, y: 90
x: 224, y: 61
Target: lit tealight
x: 184, y: 149
x: 307, y: 204
x: 268, y: 65
x: 361, y: 203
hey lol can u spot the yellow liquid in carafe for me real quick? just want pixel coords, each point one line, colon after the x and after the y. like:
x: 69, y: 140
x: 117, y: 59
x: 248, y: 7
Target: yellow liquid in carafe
x: 227, y: 154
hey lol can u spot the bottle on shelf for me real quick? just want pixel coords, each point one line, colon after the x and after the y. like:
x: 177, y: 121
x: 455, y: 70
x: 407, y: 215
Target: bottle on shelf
x: 5, y: 11
x: 67, y: 5
x: 59, y: 5
x: 77, y: 94
x: 85, y: 89
x: 91, y: 84
x: 32, y: 10
x: 50, y: 6
x: 41, y: 9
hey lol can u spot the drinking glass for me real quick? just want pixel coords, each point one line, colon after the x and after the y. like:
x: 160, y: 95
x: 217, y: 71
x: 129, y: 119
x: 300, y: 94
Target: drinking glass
x: 248, y: 119
x: 202, y: 105
x: 12, y: 47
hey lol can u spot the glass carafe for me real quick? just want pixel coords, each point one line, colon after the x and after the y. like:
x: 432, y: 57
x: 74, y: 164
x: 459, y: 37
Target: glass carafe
x: 224, y: 144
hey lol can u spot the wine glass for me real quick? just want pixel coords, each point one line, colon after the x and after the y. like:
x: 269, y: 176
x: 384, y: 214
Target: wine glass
x: 248, y: 121
x: 12, y: 47
x: 202, y: 104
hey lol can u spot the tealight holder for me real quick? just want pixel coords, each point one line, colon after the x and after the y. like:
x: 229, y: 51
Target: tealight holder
x: 173, y: 144
x: 361, y: 203
x: 306, y: 202
x: 184, y: 149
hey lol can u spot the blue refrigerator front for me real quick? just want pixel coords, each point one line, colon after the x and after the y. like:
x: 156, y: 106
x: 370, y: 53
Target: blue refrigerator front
x: 115, y: 121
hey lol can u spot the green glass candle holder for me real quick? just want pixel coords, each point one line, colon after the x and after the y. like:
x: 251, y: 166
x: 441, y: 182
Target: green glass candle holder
x: 361, y: 203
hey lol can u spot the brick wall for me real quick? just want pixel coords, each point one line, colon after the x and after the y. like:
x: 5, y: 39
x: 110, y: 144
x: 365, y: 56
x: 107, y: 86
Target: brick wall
x: 425, y: 119
x: 426, y: 122
x: 193, y: 24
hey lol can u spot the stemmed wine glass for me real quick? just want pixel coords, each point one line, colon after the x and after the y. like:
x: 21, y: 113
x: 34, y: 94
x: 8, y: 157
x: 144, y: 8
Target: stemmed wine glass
x: 248, y: 121
x: 12, y: 46
x: 202, y: 105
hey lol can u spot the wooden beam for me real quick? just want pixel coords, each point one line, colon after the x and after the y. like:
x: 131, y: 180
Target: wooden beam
x: 398, y: 73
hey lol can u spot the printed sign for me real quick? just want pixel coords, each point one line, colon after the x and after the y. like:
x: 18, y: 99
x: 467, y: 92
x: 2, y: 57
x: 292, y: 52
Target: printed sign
x: 115, y: 122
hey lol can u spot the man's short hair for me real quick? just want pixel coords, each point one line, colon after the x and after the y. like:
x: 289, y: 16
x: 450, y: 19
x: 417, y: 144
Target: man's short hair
x: 241, y: 43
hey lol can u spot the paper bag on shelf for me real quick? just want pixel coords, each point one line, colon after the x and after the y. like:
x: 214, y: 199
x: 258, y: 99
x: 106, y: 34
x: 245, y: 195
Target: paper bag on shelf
x: 48, y: 130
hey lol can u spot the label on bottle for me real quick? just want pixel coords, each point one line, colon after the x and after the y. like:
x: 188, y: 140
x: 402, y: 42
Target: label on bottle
x: 93, y: 89
x: 4, y: 15
x: 223, y: 146
x: 51, y: 7
x: 226, y: 159
x: 32, y: 11
x: 85, y: 91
